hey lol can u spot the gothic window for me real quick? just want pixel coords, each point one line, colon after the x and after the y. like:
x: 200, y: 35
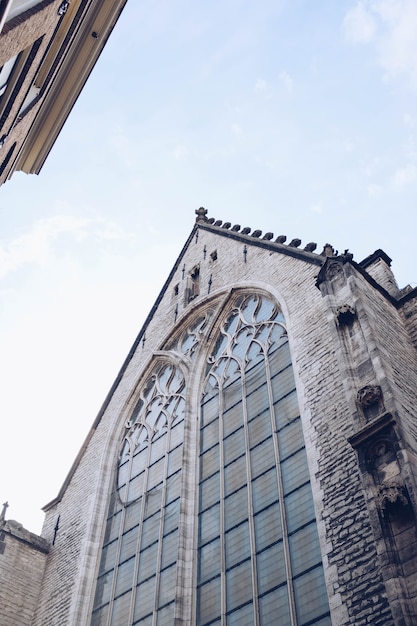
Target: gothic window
x: 259, y: 559
x: 136, y: 581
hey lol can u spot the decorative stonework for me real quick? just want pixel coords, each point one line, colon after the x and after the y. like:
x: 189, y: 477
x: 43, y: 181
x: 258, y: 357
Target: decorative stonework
x: 370, y: 395
x: 345, y: 314
x: 394, y: 494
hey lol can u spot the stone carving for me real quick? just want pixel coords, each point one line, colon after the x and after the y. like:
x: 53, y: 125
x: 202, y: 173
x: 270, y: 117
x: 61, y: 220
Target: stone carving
x: 345, y: 314
x: 392, y: 494
x: 369, y: 395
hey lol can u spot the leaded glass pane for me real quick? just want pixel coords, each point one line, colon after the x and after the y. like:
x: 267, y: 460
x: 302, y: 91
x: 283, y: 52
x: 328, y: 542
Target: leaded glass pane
x: 299, y: 508
x: 147, y: 562
x: 107, y: 556
x: 145, y: 598
x: 304, y: 549
x: 121, y: 608
x: 282, y: 383
x: 265, y: 490
x: 238, y: 585
x: 209, y: 462
x: 150, y: 530
x: 210, y: 490
x: 310, y: 596
x: 166, y: 615
x: 100, y: 617
x: 232, y: 419
x: 210, y: 435
x: 104, y: 587
x: 271, y: 567
x: 274, y: 608
x: 169, y: 549
x: 295, y: 471
x: 128, y: 546
x: 209, y: 561
x: 267, y: 526
x: 241, y: 617
x: 236, y: 508
x: 171, y: 516
x: 286, y: 409
x: 209, y: 526
x: 259, y: 428
x: 262, y: 458
x: 208, y: 601
x: 290, y: 439
x: 167, y: 585
x: 234, y: 446
x: 237, y: 546
x: 235, y: 475
x: 124, y: 576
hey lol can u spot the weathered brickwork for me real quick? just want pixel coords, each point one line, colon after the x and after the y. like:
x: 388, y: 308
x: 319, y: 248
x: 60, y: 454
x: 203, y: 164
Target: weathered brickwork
x: 356, y: 375
x: 22, y: 563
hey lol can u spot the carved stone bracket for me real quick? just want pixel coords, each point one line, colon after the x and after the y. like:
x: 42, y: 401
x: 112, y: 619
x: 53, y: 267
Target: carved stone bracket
x: 369, y: 396
x: 391, y: 495
x: 345, y: 314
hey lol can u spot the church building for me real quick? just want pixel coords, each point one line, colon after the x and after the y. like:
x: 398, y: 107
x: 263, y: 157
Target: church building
x: 255, y: 461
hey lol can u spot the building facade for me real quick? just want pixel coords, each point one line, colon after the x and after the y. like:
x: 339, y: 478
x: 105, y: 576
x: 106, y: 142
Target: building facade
x: 255, y: 460
x: 47, y: 51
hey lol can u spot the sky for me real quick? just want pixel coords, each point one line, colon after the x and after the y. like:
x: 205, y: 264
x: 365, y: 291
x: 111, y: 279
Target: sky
x: 296, y: 117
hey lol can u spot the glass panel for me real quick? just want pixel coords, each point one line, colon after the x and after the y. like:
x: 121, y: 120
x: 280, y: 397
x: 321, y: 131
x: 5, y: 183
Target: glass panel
x: 232, y: 419
x: 304, y: 549
x: 129, y: 542
x: 153, y: 500
x: 121, y: 608
x: 147, y: 562
x: 290, y: 439
x: 282, y: 383
x: 209, y: 561
x: 267, y: 527
x: 171, y: 516
x: 156, y: 473
x: 234, y: 446
x: 235, y: 475
x: 210, y: 490
x: 209, y: 462
x: 100, y: 617
x: 294, y: 471
x: 259, y: 428
x: 108, y: 556
x: 286, y: 409
x: 275, y: 604
x: 271, y: 567
x: 265, y: 490
x: 238, y: 585
x: 173, y: 487
x: 262, y: 457
x: 113, y: 526
x: 139, y: 462
x: 124, y: 576
x: 175, y: 460
x: 150, y: 530
x: 136, y: 487
x: 132, y: 515
x: 104, y: 587
x: 232, y: 397
x: 257, y: 401
x: 166, y: 615
x: 209, y: 526
x: 210, y: 408
x: 145, y: 598
x: 158, y: 447
x: 242, y: 617
x: 310, y: 596
x: 169, y: 549
x: 177, y: 435
x: 237, y: 545
x: 299, y: 508
x: 167, y: 585
x: 210, y: 435
x: 208, y: 602
x: 236, y: 508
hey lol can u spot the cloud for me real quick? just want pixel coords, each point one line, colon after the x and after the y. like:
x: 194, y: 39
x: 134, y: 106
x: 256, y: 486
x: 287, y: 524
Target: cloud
x: 404, y: 176
x: 374, y: 190
x: 260, y: 85
x: 287, y: 81
x: 391, y: 26
x: 359, y: 24
x: 316, y: 207
x: 40, y: 244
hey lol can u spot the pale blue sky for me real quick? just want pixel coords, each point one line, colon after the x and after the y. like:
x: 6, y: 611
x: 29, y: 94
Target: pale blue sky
x: 297, y: 117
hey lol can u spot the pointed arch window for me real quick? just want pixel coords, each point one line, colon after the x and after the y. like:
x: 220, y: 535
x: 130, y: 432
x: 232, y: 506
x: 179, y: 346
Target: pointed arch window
x: 136, y: 581
x: 259, y: 559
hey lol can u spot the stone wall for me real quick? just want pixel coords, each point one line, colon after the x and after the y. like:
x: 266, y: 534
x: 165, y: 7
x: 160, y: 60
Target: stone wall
x: 22, y: 563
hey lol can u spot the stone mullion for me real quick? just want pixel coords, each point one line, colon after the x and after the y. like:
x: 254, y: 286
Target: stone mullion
x: 250, y: 505
x: 139, y: 539
x: 288, y: 569
x: 221, y: 511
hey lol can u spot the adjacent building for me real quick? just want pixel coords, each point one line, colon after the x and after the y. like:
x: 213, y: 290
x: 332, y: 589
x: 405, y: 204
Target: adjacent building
x: 255, y: 461
x: 47, y: 51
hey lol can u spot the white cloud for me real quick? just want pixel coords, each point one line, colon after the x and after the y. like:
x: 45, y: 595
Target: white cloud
x: 287, y: 81
x: 316, y: 207
x: 39, y: 245
x: 237, y: 130
x: 359, y: 24
x: 404, y: 176
x: 260, y: 85
x: 391, y: 25
x: 374, y: 190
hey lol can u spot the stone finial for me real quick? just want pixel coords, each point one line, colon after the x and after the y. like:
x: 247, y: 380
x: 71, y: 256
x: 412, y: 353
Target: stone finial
x: 256, y: 233
x: 236, y: 228
x: 227, y: 225
x: 294, y: 243
x: 201, y: 214
x: 328, y: 250
x: 3, y: 512
x: 310, y: 247
x: 281, y: 239
x: 246, y: 230
x: 268, y: 236
x: 218, y: 223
